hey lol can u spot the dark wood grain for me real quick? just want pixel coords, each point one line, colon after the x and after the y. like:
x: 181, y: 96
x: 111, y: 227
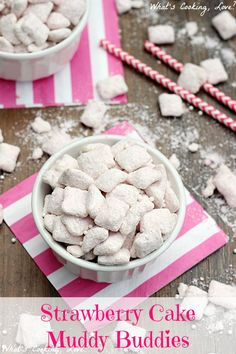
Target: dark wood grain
x: 19, y: 276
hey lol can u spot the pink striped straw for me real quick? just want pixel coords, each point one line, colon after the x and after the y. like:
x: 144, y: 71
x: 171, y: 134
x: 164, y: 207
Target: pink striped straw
x: 177, y: 66
x: 167, y: 83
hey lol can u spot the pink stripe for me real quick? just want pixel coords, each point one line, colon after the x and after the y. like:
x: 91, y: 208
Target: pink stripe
x: 180, y: 266
x: 25, y: 228
x: 47, y: 262
x: 112, y: 34
x: 81, y: 288
x: 124, y: 128
x: 8, y: 93
x: 195, y: 215
x: 18, y: 192
x: 44, y: 91
x: 81, y: 75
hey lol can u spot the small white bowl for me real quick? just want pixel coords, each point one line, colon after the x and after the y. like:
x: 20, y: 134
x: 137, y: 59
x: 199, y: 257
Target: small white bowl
x: 34, y: 66
x: 90, y: 270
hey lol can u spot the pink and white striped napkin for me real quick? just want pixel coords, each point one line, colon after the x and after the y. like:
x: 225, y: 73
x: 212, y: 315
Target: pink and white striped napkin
x: 199, y: 237
x: 76, y: 83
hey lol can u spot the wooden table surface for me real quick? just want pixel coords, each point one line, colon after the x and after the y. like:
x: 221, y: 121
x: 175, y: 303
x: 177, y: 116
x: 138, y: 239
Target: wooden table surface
x: 19, y: 276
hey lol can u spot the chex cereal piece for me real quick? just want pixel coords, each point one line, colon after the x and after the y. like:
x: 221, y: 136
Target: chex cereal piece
x: 182, y: 288
x: 121, y: 145
x: 112, y: 213
x: 21, y: 34
x: 192, y: 77
x: 53, y: 202
x: 119, y: 258
x: 76, y: 226
x: 73, y: 10
x: 146, y: 243
x: 112, y: 87
x: 91, y: 147
x: 143, y: 206
x: 76, y: 178
x: 8, y: 157
x: 123, y: 6
x: 35, y: 28
x: 171, y: 105
x: 93, y: 114
x: 59, y: 35
x: 48, y: 221
x: 74, y: 202
x: 56, y: 141
x: 225, y: 182
x: 18, y: 7
x: 222, y: 294
x: 95, y: 199
x: 57, y: 21
x: 195, y: 299
x: 1, y: 214
x: 32, y: 332
x: 40, y: 125
x: 137, y: 4
x: 110, y: 179
x: 110, y: 246
x: 130, y: 223
x: 215, y: 71
x: 94, y: 237
x: 34, y: 48
x: 144, y: 177
x: 5, y: 45
x: 75, y: 250
x: 208, y: 191
x: 7, y: 26
x: 41, y: 10
x: 126, y: 193
x: 52, y: 176
x: 97, y: 161
x: 225, y: 24
x: 37, y: 153
x: 90, y: 256
x: 191, y: 28
x: 129, y: 240
x: 158, y: 189
x: 61, y: 234
x: 161, y: 34
x: 161, y: 219
x: 171, y: 199
x: 133, y: 158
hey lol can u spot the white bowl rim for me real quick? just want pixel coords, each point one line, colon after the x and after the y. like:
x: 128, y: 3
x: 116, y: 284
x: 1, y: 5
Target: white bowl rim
x: 42, y: 53
x: 87, y: 264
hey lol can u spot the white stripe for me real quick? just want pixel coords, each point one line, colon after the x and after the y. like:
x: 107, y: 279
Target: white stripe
x: 24, y: 93
x: 98, y: 56
x: 18, y: 210
x: 180, y: 247
x: 63, y: 86
x: 61, y: 277
x: 35, y: 246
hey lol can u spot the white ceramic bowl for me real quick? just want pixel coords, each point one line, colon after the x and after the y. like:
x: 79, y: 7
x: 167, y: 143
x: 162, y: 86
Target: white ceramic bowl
x: 34, y: 66
x: 90, y: 270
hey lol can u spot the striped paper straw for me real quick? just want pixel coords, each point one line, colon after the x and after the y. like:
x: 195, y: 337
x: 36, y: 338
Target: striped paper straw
x: 167, y: 83
x: 177, y: 66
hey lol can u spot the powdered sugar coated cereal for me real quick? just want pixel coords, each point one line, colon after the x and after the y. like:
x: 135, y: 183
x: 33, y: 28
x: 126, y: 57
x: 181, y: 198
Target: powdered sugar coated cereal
x: 112, y: 87
x: 192, y: 77
x: 161, y: 34
x: 8, y: 157
x: 93, y: 114
x: 215, y: 71
x: 171, y: 105
x: 225, y: 24
x: 40, y: 126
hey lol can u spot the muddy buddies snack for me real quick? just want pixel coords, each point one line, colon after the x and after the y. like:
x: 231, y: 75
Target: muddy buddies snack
x: 33, y: 25
x: 111, y: 204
